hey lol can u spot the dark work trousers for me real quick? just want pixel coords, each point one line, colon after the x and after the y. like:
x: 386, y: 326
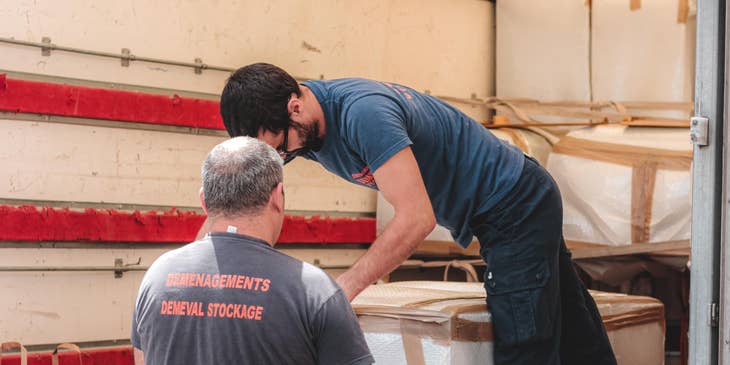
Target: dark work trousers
x: 542, y: 313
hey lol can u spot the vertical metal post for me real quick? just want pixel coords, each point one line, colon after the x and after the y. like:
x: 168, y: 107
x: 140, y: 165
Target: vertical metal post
x: 723, y: 309
x: 707, y: 187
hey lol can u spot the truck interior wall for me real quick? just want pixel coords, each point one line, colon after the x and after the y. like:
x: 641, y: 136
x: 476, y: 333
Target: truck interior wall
x: 417, y: 43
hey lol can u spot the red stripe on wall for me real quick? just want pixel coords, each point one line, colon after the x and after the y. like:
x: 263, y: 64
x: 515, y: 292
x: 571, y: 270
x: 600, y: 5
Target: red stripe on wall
x: 107, y: 356
x: 327, y: 230
x: 22, y: 96
x: 29, y: 223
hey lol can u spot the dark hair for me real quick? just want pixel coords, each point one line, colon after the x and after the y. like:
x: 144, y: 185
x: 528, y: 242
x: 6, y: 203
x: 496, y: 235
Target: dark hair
x: 255, y: 97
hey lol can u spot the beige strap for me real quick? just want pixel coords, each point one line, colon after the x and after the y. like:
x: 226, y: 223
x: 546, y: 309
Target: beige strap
x: 500, y: 120
x: 656, y: 122
x: 65, y: 346
x: 471, y: 273
x: 412, y: 345
x: 634, y: 318
x: 505, y: 106
x: 682, y: 11
x: 583, y: 250
x: 469, y: 331
x: 595, y: 105
x: 525, y: 110
x: 546, y: 124
x: 599, y: 105
x: 654, y: 105
x: 620, y: 108
x: 642, y: 194
x: 518, y: 139
x: 7, y: 346
x: 624, y: 154
x: 466, y: 265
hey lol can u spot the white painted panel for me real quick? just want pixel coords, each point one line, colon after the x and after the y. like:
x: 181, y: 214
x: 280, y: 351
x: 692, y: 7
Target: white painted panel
x: 60, y: 162
x: 642, y: 55
x: 54, y: 307
x: 542, y: 49
x: 444, y: 46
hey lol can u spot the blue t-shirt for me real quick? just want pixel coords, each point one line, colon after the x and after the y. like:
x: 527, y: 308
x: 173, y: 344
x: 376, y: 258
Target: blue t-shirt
x: 465, y: 168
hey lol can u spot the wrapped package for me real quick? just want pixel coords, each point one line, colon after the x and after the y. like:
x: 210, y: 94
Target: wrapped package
x: 644, y: 54
x: 427, y: 322
x: 624, y: 185
x: 543, y: 50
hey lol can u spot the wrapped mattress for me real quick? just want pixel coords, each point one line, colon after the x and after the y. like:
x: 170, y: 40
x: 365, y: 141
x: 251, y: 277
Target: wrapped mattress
x: 426, y: 322
x: 624, y: 185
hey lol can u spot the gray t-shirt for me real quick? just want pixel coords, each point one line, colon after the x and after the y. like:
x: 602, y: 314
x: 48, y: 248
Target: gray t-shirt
x: 233, y: 299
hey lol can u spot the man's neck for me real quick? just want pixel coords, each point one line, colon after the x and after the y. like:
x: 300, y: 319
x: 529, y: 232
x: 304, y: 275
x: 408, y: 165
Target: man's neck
x: 316, y: 107
x: 251, y: 227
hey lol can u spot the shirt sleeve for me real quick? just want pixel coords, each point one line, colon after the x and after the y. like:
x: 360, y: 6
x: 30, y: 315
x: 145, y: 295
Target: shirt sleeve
x: 338, y: 335
x: 134, y: 337
x: 376, y: 129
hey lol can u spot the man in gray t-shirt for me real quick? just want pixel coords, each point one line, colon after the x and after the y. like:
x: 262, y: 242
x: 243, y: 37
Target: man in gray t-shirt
x: 230, y: 297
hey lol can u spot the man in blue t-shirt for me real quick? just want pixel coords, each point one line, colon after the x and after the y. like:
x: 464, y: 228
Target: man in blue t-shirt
x: 230, y: 297
x: 435, y: 164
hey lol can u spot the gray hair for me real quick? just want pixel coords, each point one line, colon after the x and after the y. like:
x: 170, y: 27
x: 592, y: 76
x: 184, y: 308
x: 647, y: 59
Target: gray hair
x: 239, y: 175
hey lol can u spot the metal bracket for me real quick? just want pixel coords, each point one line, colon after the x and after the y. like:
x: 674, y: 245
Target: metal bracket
x: 199, y: 66
x: 699, y: 131
x: 126, y: 57
x: 121, y: 267
x: 46, y: 51
x: 118, y: 263
x: 714, y: 314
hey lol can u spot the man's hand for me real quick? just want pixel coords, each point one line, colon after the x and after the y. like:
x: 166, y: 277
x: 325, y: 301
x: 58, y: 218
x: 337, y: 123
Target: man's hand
x: 400, y: 182
x: 138, y: 357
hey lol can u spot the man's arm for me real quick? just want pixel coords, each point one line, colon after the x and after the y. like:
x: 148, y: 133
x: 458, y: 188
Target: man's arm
x: 399, y: 180
x: 138, y: 357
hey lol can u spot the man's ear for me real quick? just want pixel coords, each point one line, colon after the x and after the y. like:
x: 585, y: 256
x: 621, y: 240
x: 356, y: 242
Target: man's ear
x: 294, y: 106
x: 277, y: 198
x: 202, y: 201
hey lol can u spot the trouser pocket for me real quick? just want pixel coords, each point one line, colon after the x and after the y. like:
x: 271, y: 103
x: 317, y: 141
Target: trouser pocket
x: 523, y: 301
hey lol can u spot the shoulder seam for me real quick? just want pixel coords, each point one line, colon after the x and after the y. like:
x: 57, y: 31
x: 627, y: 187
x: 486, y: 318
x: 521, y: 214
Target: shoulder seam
x: 316, y: 313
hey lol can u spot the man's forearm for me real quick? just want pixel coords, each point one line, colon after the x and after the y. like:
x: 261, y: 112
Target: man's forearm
x: 390, y: 249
